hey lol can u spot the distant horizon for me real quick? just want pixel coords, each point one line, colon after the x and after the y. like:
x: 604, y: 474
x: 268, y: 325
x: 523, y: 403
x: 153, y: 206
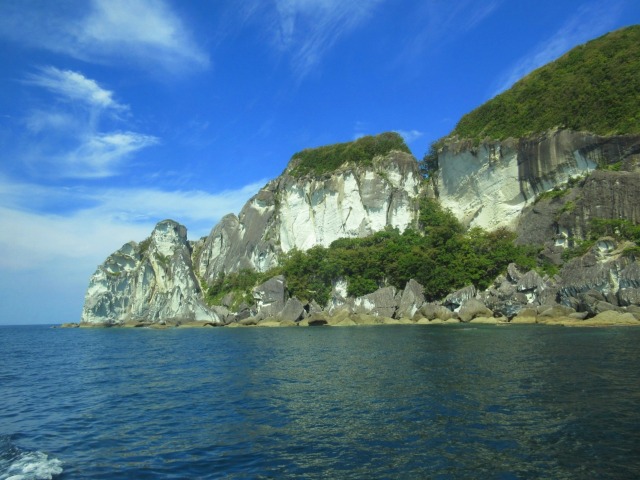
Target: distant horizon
x: 118, y: 114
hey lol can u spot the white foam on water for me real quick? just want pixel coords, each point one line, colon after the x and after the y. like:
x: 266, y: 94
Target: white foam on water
x: 32, y: 466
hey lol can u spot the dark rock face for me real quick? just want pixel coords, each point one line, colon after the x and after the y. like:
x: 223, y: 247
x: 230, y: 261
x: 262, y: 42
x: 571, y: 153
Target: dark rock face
x: 454, y: 300
x: 473, y: 308
x: 604, y: 194
x: 603, y: 279
x: 540, y: 157
x: 381, y: 303
x: 490, y: 185
x: 292, y: 311
x: 271, y: 296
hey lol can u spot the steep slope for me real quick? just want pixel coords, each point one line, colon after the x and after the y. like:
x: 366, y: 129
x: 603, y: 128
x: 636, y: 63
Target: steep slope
x: 572, y: 156
x: 594, y: 88
x: 490, y: 184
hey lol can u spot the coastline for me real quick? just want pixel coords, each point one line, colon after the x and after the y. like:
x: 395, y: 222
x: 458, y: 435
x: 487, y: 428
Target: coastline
x: 344, y: 319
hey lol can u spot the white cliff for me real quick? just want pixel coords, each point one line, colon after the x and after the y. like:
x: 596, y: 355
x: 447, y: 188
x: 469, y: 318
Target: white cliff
x: 148, y: 282
x: 490, y: 184
x: 300, y: 212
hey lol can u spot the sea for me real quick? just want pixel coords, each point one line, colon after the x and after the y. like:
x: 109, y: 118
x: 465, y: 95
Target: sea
x: 379, y: 402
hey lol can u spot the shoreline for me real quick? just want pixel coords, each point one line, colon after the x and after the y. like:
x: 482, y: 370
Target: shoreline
x: 604, y: 319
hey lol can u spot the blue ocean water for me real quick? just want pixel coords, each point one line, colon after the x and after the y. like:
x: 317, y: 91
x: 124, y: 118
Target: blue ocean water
x: 364, y: 402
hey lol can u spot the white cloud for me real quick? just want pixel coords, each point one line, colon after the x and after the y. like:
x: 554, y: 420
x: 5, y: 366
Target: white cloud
x: 147, y: 29
x: 75, y: 86
x: 588, y: 22
x: 124, y: 212
x: 141, y: 33
x: 40, y: 120
x: 99, y: 155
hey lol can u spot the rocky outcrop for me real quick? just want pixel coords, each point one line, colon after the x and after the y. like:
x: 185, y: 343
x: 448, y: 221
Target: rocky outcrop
x: 411, y: 300
x: 488, y: 185
x: 149, y: 282
x: 271, y: 297
x: 298, y: 213
x: 565, y: 216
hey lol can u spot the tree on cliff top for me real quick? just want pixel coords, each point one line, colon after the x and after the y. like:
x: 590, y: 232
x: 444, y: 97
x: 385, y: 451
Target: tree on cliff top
x: 330, y: 157
x: 595, y: 87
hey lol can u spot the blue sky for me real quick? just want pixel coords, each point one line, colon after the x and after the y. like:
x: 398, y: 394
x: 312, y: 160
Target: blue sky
x: 115, y: 114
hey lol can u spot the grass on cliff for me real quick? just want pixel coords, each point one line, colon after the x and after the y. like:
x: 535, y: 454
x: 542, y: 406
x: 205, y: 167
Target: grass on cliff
x: 595, y: 87
x: 328, y: 158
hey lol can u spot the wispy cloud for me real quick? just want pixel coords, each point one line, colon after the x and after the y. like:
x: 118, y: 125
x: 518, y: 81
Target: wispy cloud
x: 74, y: 86
x: 438, y: 23
x: 69, y: 141
x: 306, y: 30
x: 99, y: 155
x: 410, y: 135
x: 589, y: 21
x: 141, y: 33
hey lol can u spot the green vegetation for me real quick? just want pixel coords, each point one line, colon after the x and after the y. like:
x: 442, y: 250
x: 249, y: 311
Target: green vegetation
x: 580, y: 247
x: 595, y: 87
x: 239, y: 283
x: 568, y: 207
x: 553, y: 194
x: 163, y: 260
x: 612, y: 167
x: 326, y: 159
x: 620, y: 229
x: 429, y: 163
x: 439, y: 255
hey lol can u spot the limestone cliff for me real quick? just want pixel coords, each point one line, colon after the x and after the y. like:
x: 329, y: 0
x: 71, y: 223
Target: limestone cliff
x: 293, y: 212
x: 489, y: 185
x: 156, y: 280
x: 149, y: 282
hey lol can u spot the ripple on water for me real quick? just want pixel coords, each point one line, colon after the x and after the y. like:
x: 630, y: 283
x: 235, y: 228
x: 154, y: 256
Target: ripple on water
x: 408, y: 402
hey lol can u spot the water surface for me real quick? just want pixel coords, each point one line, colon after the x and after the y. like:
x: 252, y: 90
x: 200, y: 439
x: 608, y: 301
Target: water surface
x: 364, y: 402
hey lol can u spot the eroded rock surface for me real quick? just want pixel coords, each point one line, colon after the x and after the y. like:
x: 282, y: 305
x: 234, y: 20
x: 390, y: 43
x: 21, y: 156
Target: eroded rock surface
x: 488, y: 185
x: 291, y: 212
x: 152, y: 281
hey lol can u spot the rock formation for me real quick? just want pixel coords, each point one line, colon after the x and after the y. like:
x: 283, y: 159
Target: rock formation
x: 156, y: 280
x: 291, y: 212
x: 490, y: 184
x: 149, y: 282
